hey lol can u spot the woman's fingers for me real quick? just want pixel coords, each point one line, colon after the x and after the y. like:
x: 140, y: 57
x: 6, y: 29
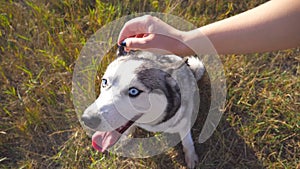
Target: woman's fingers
x: 137, y: 27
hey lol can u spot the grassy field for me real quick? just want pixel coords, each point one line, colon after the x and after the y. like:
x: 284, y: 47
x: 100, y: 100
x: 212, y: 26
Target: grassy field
x: 39, y: 43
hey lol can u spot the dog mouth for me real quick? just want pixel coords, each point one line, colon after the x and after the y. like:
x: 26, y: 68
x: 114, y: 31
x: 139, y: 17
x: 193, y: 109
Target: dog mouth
x: 102, y: 141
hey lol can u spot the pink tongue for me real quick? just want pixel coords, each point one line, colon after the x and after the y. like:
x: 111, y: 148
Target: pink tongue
x: 101, y: 141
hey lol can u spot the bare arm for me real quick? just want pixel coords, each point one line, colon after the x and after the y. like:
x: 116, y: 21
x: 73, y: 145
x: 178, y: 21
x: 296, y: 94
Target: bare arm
x: 271, y: 26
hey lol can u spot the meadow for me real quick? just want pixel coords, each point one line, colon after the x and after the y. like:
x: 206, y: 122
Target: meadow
x: 40, y: 42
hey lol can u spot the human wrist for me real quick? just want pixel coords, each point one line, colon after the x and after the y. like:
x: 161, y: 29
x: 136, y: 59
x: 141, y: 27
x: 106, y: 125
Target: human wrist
x: 182, y: 37
x: 198, y: 42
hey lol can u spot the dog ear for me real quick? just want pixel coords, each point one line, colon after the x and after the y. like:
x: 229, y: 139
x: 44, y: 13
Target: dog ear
x: 177, y: 65
x: 193, y: 63
x: 196, y: 67
x: 121, y: 51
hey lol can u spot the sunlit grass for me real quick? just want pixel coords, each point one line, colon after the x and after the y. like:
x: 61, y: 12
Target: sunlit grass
x: 40, y: 42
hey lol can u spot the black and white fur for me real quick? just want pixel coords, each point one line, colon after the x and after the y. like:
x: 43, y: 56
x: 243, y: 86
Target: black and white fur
x: 166, y: 103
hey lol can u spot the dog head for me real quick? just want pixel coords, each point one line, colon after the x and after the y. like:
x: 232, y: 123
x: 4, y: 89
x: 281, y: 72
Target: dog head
x: 134, y: 89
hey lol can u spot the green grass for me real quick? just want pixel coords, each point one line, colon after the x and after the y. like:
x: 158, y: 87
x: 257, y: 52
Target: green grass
x: 40, y: 42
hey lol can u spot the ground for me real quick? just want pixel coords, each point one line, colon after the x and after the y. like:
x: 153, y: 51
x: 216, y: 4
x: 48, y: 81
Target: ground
x: 40, y: 42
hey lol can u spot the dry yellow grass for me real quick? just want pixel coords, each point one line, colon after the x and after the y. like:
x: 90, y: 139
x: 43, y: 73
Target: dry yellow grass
x: 40, y: 42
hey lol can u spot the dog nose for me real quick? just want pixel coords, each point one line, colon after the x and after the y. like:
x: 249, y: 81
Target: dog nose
x: 91, y: 121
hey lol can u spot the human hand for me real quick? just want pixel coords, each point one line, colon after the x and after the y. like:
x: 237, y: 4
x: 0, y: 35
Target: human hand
x: 152, y: 34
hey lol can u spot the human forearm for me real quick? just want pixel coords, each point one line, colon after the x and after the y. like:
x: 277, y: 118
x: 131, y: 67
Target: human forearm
x: 272, y: 26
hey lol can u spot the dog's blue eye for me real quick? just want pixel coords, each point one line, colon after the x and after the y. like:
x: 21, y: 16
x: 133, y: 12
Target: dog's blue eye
x: 104, y: 83
x: 133, y: 92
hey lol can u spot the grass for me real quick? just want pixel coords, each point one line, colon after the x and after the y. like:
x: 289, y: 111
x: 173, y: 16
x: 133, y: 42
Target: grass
x: 40, y: 42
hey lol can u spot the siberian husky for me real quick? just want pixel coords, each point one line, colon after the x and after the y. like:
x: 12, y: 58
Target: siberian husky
x: 154, y: 92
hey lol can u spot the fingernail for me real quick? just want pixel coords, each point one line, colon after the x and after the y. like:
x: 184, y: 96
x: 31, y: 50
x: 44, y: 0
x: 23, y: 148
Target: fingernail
x: 123, y: 43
